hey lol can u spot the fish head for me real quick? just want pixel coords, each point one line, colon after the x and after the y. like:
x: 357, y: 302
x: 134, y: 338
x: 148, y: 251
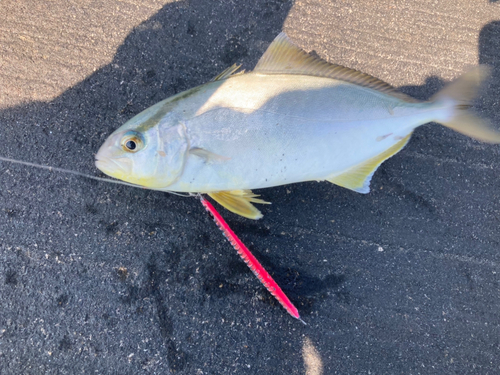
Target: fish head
x: 149, y: 153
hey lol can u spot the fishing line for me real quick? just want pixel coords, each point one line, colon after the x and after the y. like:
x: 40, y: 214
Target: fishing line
x: 262, y: 275
x: 41, y: 166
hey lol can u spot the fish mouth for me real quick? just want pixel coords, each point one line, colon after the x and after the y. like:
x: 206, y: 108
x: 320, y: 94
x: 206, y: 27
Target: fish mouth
x: 109, y: 166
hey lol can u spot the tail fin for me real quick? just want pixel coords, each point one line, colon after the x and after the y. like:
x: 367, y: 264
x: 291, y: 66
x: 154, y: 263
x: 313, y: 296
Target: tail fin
x: 462, y: 92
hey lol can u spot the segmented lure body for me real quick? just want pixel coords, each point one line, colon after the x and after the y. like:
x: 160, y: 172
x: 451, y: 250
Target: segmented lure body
x: 252, y: 262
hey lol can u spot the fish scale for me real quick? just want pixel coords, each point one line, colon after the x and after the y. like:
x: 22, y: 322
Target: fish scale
x: 263, y: 138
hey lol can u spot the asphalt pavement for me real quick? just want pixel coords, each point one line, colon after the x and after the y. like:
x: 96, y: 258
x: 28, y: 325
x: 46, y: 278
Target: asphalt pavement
x: 107, y: 279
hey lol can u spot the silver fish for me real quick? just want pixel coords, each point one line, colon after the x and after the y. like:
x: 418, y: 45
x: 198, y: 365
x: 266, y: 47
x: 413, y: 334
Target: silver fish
x: 294, y: 118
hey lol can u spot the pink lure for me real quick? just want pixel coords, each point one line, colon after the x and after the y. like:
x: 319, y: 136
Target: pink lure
x: 252, y: 262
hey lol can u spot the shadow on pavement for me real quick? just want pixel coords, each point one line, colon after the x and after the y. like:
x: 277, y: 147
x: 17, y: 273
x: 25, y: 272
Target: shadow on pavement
x: 185, y: 44
x: 182, y: 46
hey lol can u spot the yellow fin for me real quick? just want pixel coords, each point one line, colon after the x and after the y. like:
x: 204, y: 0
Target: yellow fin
x: 284, y: 57
x: 239, y: 202
x: 358, y: 177
x: 229, y: 72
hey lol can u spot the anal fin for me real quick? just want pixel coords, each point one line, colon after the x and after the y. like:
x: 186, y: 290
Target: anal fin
x: 239, y: 202
x: 358, y: 178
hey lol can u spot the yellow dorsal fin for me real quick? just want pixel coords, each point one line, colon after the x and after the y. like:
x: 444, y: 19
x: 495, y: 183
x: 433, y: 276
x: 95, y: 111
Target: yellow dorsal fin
x: 239, y: 202
x: 284, y: 57
x: 228, y: 72
x: 358, y: 177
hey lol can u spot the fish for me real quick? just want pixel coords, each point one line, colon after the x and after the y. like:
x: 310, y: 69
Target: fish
x: 294, y: 118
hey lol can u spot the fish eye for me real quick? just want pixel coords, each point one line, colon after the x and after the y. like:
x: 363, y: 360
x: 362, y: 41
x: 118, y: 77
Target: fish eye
x: 132, y: 142
x: 131, y: 145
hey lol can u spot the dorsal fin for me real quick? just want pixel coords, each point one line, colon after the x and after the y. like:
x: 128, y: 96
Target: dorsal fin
x: 239, y: 202
x: 284, y: 57
x: 228, y: 72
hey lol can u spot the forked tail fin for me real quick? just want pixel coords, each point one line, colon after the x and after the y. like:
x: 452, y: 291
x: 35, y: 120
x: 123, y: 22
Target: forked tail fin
x: 462, y: 92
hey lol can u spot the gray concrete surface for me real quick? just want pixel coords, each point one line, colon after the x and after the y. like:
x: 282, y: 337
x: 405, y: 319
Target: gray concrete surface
x: 104, y: 279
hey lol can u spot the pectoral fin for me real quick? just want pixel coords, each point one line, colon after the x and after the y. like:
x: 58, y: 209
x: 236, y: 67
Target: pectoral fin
x: 207, y: 156
x: 358, y: 177
x: 239, y: 202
